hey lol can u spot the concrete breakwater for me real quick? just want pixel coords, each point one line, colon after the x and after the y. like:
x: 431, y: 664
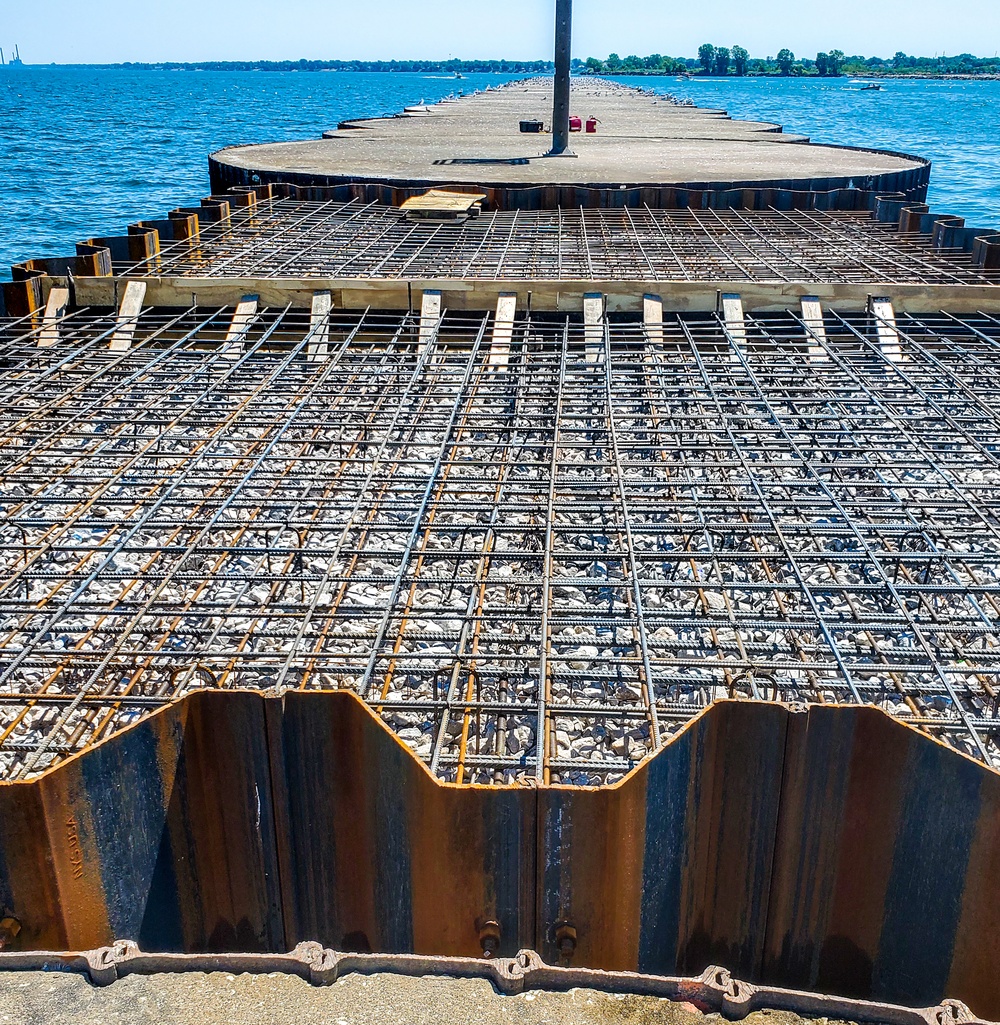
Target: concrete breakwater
x: 647, y: 150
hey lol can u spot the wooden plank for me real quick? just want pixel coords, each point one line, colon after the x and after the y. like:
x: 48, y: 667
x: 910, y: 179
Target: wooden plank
x: 652, y: 318
x: 430, y: 318
x: 243, y: 317
x: 318, y: 348
x: 812, y: 317
x: 503, y: 331
x: 735, y: 323
x: 444, y: 205
x: 128, y: 316
x: 885, y: 324
x: 593, y: 325
x: 55, y: 310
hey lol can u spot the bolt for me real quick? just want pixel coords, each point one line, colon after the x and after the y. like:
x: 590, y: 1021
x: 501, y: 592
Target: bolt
x: 565, y: 938
x: 489, y: 937
x: 9, y: 928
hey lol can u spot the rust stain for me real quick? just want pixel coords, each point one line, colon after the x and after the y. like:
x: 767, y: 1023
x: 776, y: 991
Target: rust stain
x: 977, y: 945
x: 870, y: 817
x: 73, y: 848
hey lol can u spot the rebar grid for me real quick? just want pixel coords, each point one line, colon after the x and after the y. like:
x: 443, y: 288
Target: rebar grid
x: 291, y: 238
x: 536, y: 564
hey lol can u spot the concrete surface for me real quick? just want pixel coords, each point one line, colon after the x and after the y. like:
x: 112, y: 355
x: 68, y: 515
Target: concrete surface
x: 640, y: 140
x: 34, y: 998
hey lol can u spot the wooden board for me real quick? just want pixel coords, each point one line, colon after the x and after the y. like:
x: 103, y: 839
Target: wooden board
x: 128, y: 316
x: 243, y: 317
x: 621, y: 296
x: 430, y: 318
x: 593, y: 325
x: 812, y: 317
x: 652, y: 318
x: 503, y: 330
x: 318, y: 348
x: 55, y: 310
x: 885, y: 325
x: 732, y: 315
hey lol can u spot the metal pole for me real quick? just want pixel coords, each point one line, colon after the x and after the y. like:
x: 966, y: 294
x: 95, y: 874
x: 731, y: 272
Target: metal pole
x: 560, y: 91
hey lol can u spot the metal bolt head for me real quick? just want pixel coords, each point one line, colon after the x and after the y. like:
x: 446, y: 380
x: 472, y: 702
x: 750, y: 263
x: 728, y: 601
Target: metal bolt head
x: 9, y: 928
x: 564, y: 935
x: 489, y: 937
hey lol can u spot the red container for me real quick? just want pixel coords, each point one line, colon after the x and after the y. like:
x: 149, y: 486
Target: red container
x: 592, y: 124
x: 575, y: 124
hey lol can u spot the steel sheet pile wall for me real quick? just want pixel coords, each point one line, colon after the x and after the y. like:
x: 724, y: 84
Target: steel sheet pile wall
x: 234, y: 821
x: 836, y: 192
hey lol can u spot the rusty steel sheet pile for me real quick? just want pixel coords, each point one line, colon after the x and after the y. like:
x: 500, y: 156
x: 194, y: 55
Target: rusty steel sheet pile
x: 240, y: 821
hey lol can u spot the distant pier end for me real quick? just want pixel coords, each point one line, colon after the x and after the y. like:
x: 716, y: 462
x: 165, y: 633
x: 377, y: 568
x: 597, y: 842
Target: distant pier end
x: 647, y: 151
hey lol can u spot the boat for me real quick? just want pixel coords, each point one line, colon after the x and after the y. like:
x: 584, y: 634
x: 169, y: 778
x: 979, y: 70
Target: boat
x: 14, y: 62
x: 872, y: 87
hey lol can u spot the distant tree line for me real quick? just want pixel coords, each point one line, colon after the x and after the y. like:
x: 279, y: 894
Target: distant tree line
x: 736, y: 60
x: 501, y: 67
x: 711, y: 60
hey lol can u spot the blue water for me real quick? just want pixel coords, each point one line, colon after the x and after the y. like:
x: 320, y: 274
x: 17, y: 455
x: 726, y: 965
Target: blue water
x: 83, y: 152
x: 954, y: 124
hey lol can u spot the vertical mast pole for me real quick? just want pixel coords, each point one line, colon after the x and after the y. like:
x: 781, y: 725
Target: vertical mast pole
x: 560, y: 91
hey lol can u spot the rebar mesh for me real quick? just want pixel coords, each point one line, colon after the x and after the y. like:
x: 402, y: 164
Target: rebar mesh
x: 293, y: 238
x: 536, y: 563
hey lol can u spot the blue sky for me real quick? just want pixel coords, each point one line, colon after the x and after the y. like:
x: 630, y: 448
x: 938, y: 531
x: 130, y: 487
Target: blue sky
x: 68, y: 31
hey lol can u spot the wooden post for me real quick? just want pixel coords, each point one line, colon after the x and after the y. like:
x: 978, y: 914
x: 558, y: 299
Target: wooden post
x: 128, y: 316
x: 55, y: 310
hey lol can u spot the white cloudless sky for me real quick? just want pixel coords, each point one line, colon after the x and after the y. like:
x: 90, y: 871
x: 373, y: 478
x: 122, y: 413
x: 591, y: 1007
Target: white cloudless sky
x: 104, y: 31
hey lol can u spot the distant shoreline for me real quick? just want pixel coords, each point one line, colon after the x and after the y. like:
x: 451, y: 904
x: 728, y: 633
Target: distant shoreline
x: 873, y: 75
x: 476, y: 68
x: 449, y: 68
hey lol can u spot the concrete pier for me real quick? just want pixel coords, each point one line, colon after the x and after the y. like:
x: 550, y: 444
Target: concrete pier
x: 641, y: 142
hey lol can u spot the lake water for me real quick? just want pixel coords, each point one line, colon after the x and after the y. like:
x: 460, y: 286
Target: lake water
x: 954, y: 124
x: 84, y: 151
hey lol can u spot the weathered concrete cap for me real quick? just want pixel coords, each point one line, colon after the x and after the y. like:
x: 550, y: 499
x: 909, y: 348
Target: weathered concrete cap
x: 640, y: 140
